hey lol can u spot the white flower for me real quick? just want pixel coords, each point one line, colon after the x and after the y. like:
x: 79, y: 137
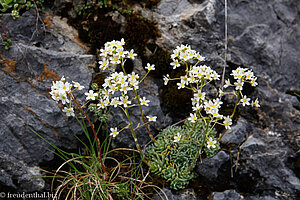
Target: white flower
x: 65, y: 87
x: 121, y: 53
x: 115, y: 60
x: 239, y: 85
x: 91, y: 95
x: 69, y: 111
x: 104, y: 52
x: 199, y: 95
x: 103, y: 64
x: 184, y: 56
x: 177, y: 137
x: 78, y: 86
x: 144, y: 101
x: 151, y: 118
x: 133, y: 76
x: 199, y: 57
x: 131, y: 54
x: 175, y: 64
x: 193, y: 117
x: 227, y: 122
x: 185, y: 79
x: 253, y: 82
x: 197, y: 107
x: 181, y: 85
x: 115, y: 101
x: 245, y: 101
x: 150, y: 67
x: 211, y: 143
x: 124, y: 101
x: 239, y: 73
x: 124, y: 88
x: 255, y: 103
x: 166, y: 79
x: 63, y: 97
x: 215, y: 113
x: 113, y: 132
x: 227, y: 83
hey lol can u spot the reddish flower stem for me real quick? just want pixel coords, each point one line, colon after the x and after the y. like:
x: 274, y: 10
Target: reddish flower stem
x: 94, y: 132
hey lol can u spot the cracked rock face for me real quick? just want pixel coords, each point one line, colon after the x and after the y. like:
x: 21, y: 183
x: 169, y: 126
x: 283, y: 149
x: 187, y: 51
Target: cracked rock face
x: 39, y: 55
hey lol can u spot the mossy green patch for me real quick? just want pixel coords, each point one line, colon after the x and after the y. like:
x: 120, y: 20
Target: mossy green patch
x: 174, y: 160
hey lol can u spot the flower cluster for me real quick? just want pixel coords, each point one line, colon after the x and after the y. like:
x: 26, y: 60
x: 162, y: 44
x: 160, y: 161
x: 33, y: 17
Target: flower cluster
x: 114, y: 54
x: 116, y: 88
x: 61, y: 91
x: 118, y: 85
x: 242, y: 76
x: 183, y: 54
x: 197, y: 76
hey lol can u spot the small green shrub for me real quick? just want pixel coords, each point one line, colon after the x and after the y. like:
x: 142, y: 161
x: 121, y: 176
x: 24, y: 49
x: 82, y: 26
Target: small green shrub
x: 172, y: 159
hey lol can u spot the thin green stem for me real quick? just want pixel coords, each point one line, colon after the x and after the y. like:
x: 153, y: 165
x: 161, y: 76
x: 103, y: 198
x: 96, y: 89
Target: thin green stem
x: 144, y: 76
x: 231, y: 116
x: 236, y: 104
x: 200, y: 149
x: 133, y: 133
x: 142, y: 116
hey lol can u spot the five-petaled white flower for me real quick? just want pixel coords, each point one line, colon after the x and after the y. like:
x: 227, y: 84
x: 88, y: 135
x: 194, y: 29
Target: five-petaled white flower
x: 177, y: 137
x: 124, y: 101
x: 131, y: 54
x: 193, y: 117
x: 150, y: 67
x: 245, y: 100
x: 211, y: 143
x: 227, y: 122
x: 144, y: 101
x: 175, y: 64
x: 113, y: 132
x: 151, y: 118
x: 91, y: 95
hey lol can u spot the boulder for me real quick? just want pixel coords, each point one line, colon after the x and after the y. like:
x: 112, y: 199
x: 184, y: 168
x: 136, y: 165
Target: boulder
x: 237, y: 134
x: 216, y: 169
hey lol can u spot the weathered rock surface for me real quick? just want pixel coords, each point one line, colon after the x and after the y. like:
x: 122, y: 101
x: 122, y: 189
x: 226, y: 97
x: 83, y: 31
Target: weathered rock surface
x: 227, y: 195
x: 167, y: 194
x: 237, y: 134
x: 214, y: 169
x: 39, y: 55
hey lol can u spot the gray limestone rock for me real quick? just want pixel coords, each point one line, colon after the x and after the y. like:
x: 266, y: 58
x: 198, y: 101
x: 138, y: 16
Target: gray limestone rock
x: 39, y: 55
x: 237, y: 134
x: 167, y: 194
x: 227, y: 195
x: 215, y: 169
